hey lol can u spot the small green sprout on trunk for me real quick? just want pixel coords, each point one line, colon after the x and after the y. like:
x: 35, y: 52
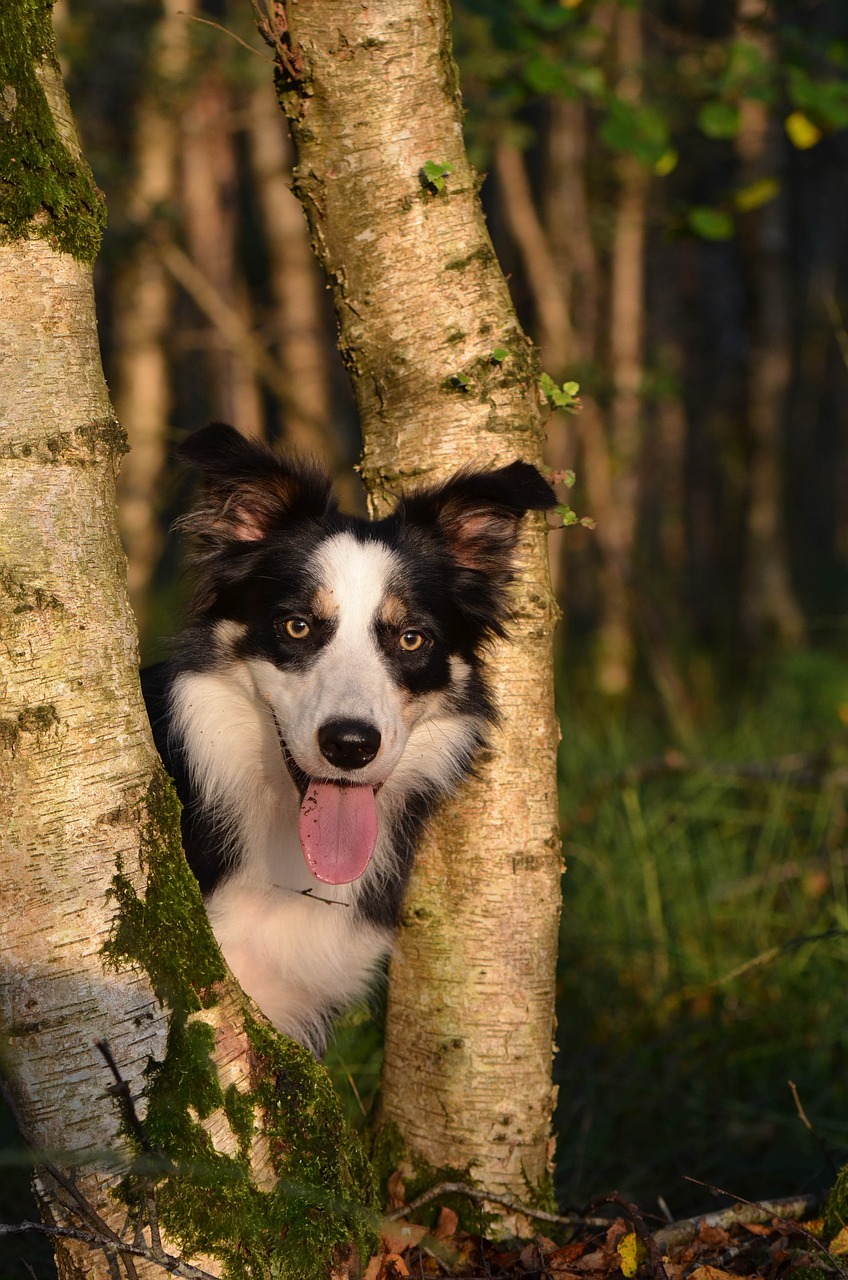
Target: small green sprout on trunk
x: 434, y: 174
x: 565, y: 397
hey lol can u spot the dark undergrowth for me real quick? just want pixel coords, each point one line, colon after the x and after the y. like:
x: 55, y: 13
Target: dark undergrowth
x: 704, y: 958
x: 704, y: 955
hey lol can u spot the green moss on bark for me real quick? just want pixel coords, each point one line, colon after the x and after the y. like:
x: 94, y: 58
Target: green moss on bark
x: 44, y: 190
x: 390, y: 1154
x: 836, y: 1208
x: 207, y: 1200
x: 330, y: 1191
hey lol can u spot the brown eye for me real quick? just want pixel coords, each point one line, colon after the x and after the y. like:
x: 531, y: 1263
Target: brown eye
x: 409, y: 641
x: 297, y: 628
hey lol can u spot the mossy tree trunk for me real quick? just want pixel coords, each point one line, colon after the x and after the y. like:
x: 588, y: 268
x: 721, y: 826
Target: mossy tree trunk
x: 372, y: 95
x: 102, y: 931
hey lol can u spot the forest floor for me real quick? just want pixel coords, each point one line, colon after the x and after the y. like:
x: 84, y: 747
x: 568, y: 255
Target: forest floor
x: 770, y: 1245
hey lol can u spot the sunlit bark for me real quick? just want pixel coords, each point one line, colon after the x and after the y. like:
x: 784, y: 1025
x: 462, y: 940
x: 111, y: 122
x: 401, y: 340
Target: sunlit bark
x: 372, y: 96
x: 102, y: 931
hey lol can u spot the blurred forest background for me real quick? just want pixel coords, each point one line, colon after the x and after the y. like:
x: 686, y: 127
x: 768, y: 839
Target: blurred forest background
x: 667, y: 187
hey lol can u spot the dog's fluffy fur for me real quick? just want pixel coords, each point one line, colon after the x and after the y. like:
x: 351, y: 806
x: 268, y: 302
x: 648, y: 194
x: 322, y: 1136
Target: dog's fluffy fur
x: 326, y: 693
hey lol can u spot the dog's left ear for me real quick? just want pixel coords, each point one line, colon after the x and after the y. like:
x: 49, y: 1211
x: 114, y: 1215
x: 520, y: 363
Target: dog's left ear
x: 477, y: 513
x: 248, y: 490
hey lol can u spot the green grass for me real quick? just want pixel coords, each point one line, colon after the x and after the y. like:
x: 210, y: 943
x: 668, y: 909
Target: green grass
x: 704, y: 956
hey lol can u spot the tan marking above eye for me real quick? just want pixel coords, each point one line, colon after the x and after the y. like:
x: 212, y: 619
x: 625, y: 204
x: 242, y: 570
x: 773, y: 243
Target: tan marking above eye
x: 322, y: 604
x: 394, y: 612
x: 297, y: 628
x: 410, y: 640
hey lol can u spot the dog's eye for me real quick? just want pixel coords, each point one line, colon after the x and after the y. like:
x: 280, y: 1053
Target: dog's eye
x: 297, y: 628
x: 409, y: 641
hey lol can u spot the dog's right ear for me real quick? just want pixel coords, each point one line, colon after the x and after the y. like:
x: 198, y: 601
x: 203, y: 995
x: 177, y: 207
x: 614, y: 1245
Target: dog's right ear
x: 248, y: 490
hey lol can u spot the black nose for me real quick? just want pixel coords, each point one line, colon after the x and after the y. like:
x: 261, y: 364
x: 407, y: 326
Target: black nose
x: 349, y: 744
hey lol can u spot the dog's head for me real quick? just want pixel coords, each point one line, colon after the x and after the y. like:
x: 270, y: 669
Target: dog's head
x: 363, y: 638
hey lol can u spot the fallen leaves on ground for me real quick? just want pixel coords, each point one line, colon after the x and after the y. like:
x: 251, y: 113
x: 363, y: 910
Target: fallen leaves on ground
x: 776, y: 1251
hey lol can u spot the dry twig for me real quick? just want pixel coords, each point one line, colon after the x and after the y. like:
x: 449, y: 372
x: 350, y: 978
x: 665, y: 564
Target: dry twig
x: 781, y: 1218
x: 111, y: 1246
x: 491, y: 1197
x: 681, y: 1232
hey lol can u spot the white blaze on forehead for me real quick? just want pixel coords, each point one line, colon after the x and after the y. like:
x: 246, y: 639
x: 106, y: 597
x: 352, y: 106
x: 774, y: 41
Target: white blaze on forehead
x: 351, y: 677
x: 356, y: 576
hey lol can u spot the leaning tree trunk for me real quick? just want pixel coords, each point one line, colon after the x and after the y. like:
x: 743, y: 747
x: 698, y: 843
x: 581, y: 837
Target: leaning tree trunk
x: 102, y: 931
x: 372, y: 95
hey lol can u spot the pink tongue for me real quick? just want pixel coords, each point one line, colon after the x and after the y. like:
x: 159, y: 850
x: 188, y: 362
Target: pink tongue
x: 338, y: 831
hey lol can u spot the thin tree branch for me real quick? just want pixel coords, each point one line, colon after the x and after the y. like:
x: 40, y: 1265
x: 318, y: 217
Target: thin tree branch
x: 805, y: 1120
x: 241, y: 340
x: 687, y: 1229
x: 121, y: 1090
x: 207, y: 22
x: 779, y: 1217
x: 491, y: 1197
x: 111, y: 1247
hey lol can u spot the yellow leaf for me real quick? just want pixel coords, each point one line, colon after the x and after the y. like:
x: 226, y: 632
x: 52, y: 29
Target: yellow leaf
x: 801, y: 131
x: 839, y: 1244
x: 667, y: 162
x: 756, y: 194
x: 632, y: 1252
x: 570, y: 4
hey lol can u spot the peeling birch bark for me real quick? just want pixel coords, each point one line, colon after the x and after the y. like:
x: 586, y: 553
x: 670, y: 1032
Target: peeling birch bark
x: 372, y: 95
x: 102, y: 930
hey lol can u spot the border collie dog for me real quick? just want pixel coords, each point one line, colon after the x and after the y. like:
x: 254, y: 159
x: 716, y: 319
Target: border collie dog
x: 327, y: 691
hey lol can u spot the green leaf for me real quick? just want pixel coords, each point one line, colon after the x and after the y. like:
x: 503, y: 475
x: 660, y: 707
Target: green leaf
x: 711, y: 224
x: 825, y: 100
x: 756, y: 194
x: 547, y: 76
x: 435, y: 173
x: 564, y: 397
x: 641, y: 131
x: 719, y: 120
x: 499, y: 355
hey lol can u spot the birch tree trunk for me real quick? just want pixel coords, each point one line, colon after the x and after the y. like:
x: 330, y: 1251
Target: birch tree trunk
x: 372, y: 95
x: 102, y: 931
